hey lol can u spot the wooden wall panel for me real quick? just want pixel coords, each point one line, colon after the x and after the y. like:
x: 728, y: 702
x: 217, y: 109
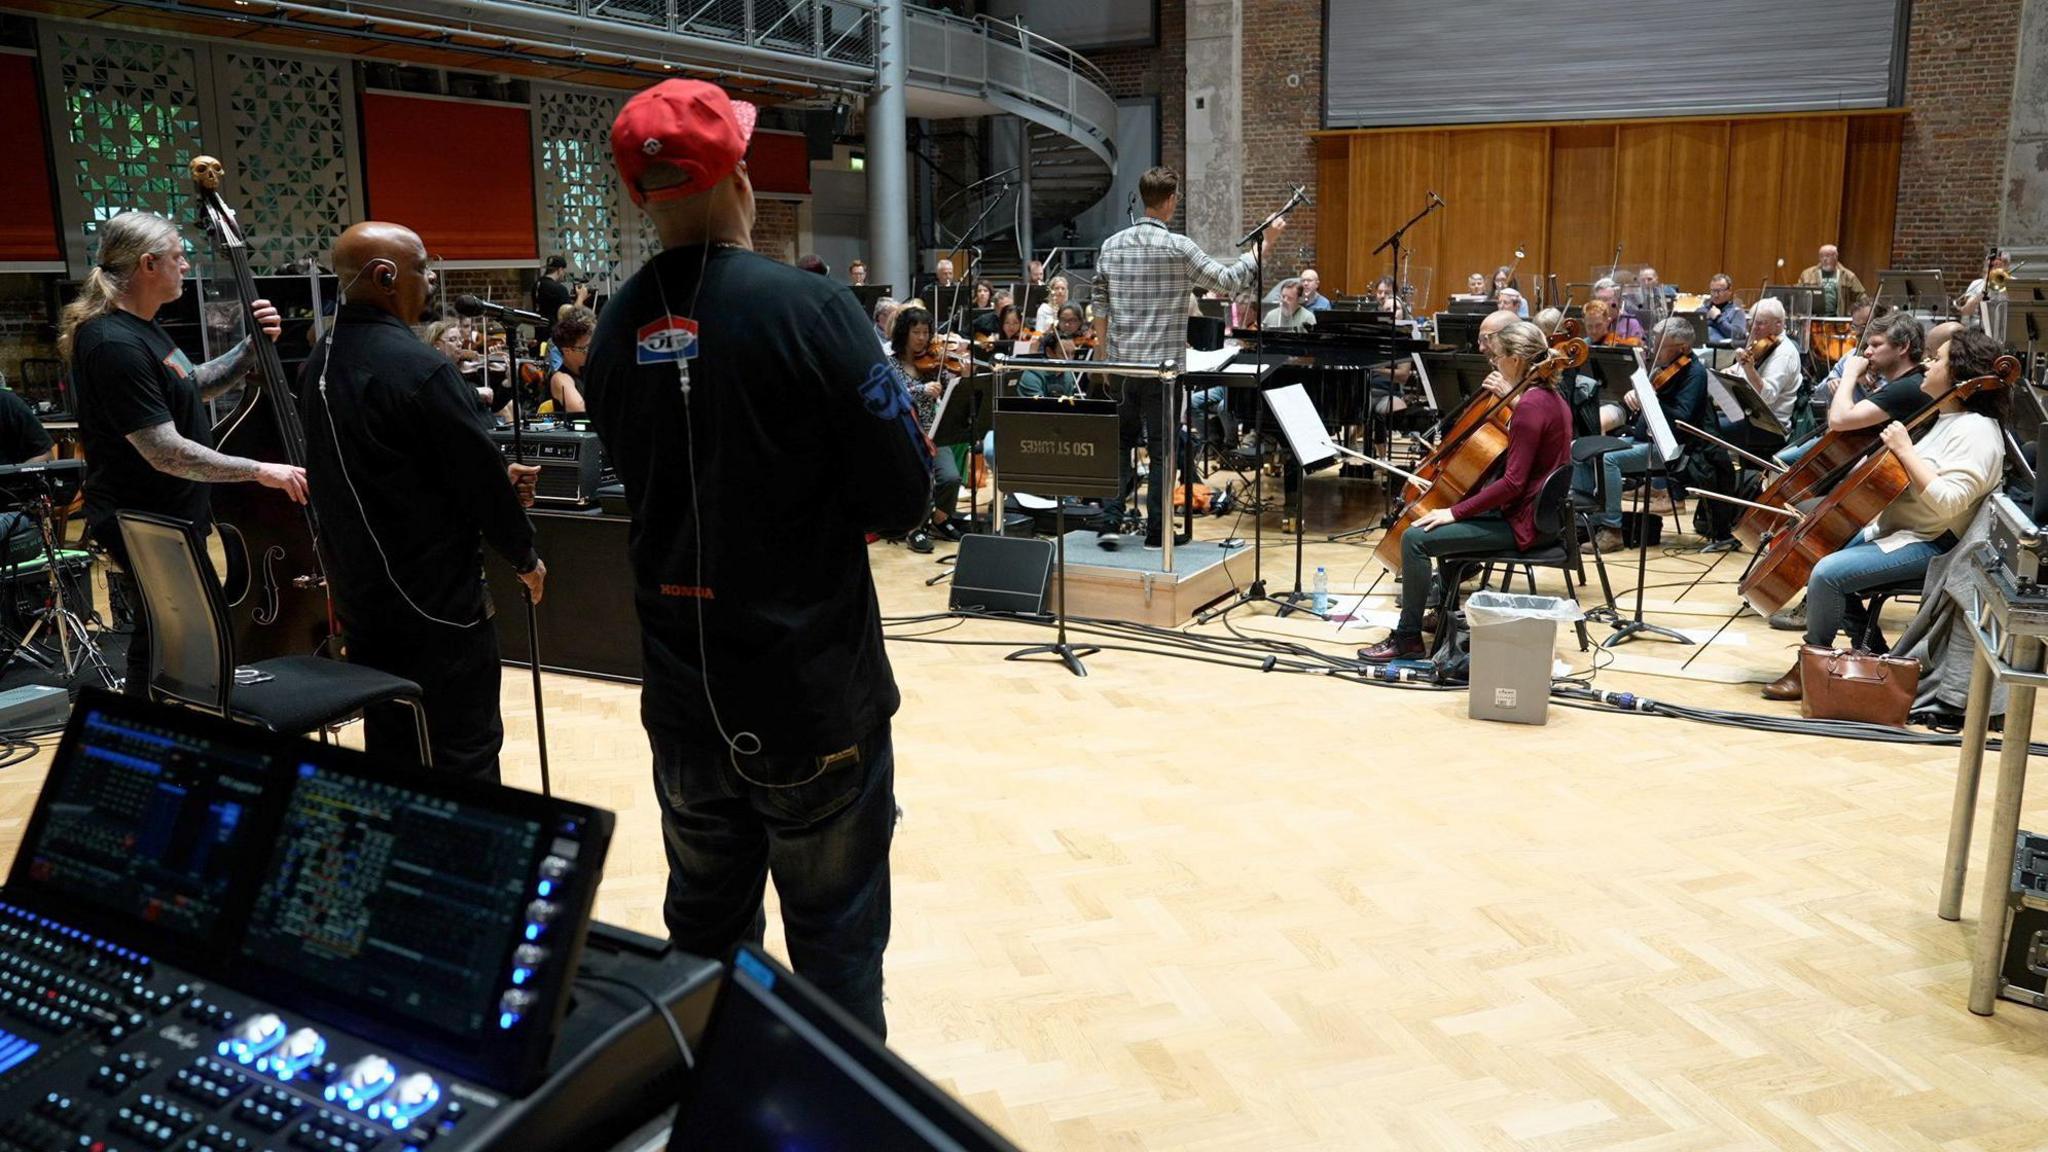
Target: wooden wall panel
x: 1396, y: 172
x: 1581, y: 202
x: 1670, y: 189
x: 1333, y: 227
x: 1693, y: 197
x: 1496, y: 193
x: 1870, y: 198
x: 1784, y: 197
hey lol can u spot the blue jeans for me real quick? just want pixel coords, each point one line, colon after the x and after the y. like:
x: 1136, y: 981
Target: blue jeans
x: 1794, y: 453
x: 1206, y: 404
x: 1839, y: 576
x: 1611, y: 464
x: 820, y: 825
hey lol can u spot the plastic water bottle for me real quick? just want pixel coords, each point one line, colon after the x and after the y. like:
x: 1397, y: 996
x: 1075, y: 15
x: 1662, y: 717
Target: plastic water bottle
x: 1321, y: 601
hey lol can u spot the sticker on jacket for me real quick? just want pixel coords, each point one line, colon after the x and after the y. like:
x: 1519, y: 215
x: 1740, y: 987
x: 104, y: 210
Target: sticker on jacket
x: 667, y: 340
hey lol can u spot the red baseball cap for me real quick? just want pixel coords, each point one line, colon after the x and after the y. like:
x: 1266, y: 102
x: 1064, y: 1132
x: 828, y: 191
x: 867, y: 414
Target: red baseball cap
x: 687, y: 124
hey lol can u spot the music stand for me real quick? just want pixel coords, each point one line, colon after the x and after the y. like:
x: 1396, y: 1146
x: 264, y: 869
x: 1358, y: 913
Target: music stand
x: 1615, y: 367
x: 2026, y: 323
x: 1459, y: 330
x: 1060, y: 447
x: 963, y: 418
x: 1748, y: 405
x: 1302, y: 427
x: 34, y: 488
x: 1800, y: 300
x: 867, y: 294
x: 1913, y: 285
x: 1663, y: 450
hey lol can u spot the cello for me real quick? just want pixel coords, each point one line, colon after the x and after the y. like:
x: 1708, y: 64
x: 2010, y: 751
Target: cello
x: 1786, y: 563
x: 1477, y: 439
x: 273, y: 581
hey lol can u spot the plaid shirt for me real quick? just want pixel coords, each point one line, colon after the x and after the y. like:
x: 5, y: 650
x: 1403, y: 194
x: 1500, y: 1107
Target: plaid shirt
x: 1146, y: 271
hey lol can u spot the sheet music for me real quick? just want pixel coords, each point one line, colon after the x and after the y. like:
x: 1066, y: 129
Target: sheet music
x: 1653, y: 415
x: 1428, y: 387
x: 1730, y: 407
x: 1195, y: 360
x: 1301, y: 424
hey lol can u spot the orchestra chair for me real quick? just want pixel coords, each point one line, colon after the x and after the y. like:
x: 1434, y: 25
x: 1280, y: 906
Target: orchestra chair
x: 192, y: 648
x: 1871, y: 639
x: 1585, y: 506
x: 1556, y: 546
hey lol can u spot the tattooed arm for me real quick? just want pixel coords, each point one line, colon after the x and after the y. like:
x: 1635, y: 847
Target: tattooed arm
x: 171, y: 453
x: 219, y: 374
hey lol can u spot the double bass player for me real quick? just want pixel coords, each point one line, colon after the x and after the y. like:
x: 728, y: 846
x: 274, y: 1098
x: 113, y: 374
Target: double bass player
x: 142, y: 403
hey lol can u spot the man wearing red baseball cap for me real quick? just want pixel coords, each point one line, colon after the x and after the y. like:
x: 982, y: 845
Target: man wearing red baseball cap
x: 760, y: 436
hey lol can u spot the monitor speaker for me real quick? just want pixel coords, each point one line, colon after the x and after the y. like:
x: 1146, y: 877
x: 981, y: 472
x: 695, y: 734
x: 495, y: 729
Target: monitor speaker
x: 1001, y: 574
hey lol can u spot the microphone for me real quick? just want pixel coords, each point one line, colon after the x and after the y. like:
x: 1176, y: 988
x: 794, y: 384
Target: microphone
x: 468, y: 305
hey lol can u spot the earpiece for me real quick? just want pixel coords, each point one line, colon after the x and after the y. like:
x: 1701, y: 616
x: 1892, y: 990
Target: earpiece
x: 388, y: 274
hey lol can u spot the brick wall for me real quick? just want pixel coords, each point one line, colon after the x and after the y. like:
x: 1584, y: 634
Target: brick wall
x: 1282, y: 74
x: 1160, y: 71
x: 1959, y: 74
x: 775, y: 230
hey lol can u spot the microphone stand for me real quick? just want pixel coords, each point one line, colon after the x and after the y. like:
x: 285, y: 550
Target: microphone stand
x: 540, y: 716
x: 974, y: 257
x: 1256, y: 590
x: 1388, y: 485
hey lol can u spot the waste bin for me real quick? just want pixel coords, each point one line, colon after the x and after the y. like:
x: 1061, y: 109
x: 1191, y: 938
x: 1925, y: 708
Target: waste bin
x: 1514, y: 641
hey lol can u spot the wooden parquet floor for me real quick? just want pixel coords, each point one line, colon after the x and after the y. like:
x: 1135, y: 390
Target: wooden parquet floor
x: 1178, y: 906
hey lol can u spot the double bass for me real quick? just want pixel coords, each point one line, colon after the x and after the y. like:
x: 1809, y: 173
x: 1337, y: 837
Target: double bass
x: 1781, y: 571
x: 273, y: 580
x: 1477, y: 439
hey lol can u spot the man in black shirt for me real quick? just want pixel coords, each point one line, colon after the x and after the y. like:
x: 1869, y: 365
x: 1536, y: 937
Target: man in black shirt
x: 408, y: 485
x: 142, y: 404
x: 733, y: 391
x: 550, y: 294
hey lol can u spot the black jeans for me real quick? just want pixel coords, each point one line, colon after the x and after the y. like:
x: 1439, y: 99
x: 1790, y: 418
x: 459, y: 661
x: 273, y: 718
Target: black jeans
x: 820, y: 825
x: 1139, y: 415
x: 459, y: 676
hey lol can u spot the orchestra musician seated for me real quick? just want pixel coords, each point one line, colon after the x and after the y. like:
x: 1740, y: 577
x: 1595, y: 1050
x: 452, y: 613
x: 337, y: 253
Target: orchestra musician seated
x: 1599, y: 321
x: 1878, y: 385
x: 1312, y: 297
x: 885, y: 320
x: 1620, y: 320
x: 924, y: 366
x: 1958, y: 462
x: 1289, y: 313
x: 1681, y: 392
x: 1501, y: 515
x: 1475, y: 287
x: 572, y: 339
x: 1510, y: 300
x: 1727, y: 323
x: 1387, y: 299
x: 1064, y: 341
x: 1055, y: 299
x: 1770, y: 364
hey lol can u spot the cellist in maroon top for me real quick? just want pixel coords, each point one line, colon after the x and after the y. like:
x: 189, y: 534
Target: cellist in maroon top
x: 1499, y: 516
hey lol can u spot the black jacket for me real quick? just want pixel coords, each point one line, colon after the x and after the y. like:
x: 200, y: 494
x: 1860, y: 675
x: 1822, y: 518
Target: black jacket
x: 405, y: 478
x: 796, y: 439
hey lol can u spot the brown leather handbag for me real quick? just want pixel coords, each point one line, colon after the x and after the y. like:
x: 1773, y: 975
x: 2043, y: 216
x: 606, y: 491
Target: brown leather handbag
x: 1844, y: 685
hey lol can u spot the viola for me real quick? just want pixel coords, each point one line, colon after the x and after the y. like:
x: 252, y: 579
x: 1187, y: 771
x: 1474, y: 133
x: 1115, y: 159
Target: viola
x: 1567, y: 329
x: 274, y: 583
x: 1476, y: 441
x: 1786, y: 563
x: 1760, y: 349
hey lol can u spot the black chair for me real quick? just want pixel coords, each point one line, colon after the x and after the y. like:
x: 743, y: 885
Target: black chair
x: 1557, y: 546
x: 192, y: 647
x: 1872, y: 637
x: 1585, y: 506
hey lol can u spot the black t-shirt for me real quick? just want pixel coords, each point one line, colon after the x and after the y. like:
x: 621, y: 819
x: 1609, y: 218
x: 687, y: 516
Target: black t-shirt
x: 131, y: 375
x: 21, y: 434
x: 1901, y: 399
x: 399, y: 443
x: 549, y: 294
x: 797, y: 439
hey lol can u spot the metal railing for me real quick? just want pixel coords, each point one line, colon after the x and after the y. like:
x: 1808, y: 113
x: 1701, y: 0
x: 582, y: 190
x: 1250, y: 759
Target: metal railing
x: 831, y: 32
x: 1017, y: 70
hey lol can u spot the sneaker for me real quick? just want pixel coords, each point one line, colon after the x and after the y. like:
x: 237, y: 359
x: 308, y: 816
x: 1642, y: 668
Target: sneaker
x: 919, y: 541
x: 1660, y: 503
x: 1394, y: 647
x: 947, y: 529
x: 1790, y: 620
x: 1108, y: 540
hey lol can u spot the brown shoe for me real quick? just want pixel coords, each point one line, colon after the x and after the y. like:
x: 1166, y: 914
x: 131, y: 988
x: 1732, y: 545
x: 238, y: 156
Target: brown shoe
x: 1394, y: 647
x: 1660, y: 503
x: 1786, y: 687
x: 1609, y: 540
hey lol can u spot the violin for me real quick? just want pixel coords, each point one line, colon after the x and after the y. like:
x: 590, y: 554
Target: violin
x: 1759, y: 350
x: 943, y: 355
x: 1568, y: 329
x: 1785, y: 564
x: 1476, y: 441
x: 1670, y: 372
